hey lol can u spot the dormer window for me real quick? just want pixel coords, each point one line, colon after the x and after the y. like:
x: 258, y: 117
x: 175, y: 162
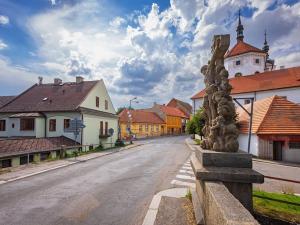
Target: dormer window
x: 257, y: 61
x: 238, y: 74
x: 238, y: 62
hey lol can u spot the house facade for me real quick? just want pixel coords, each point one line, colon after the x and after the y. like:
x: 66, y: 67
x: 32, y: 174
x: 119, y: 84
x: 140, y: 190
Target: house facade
x: 275, y: 129
x: 140, y: 123
x: 46, y: 111
x: 174, y: 118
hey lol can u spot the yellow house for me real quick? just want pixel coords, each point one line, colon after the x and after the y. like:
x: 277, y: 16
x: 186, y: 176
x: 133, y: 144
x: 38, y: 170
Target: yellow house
x: 141, y: 124
x: 174, y: 118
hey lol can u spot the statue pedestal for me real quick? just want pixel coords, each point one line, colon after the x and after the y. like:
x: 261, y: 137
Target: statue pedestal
x: 234, y: 170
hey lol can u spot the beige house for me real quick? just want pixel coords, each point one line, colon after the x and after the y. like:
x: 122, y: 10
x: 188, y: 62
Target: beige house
x: 45, y: 111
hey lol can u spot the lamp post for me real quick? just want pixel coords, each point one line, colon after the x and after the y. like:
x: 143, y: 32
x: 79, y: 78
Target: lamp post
x: 130, y: 116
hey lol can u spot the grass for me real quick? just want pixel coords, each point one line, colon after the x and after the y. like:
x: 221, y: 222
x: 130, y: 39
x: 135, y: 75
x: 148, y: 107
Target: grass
x: 189, y: 195
x: 281, y: 206
x: 198, y: 142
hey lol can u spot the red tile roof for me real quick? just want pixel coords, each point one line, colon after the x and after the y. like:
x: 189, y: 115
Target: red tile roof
x: 50, y: 97
x: 10, y: 147
x: 5, y: 99
x: 270, y: 80
x: 172, y: 111
x: 185, y: 107
x: 140, y: 116
x: 273, y: 115
x: 241, y: 48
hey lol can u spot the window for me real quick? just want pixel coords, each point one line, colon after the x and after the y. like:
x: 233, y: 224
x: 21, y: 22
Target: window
x: 238, y: 62
x: 140, y: 127
x: 247, y: 101
x: 152, y: 128
x: 257, y: 61
x: 106, y: 104
x: 52, y: 125
x: 157, y: 128
x: 294, y: 145
x: 2, y: 125
x: 4, y: 163
x: 146, y: 127
x: 238, y: 75
x: 44, y: 156
x: 24, y: 159
x: 106, y: 128
x: 66, y: 123
x: 101, y: 128
x: 97, y: 101
x: 27, y: 124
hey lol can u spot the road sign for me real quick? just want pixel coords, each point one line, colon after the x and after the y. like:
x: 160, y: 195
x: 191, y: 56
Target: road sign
x: 111, y: 131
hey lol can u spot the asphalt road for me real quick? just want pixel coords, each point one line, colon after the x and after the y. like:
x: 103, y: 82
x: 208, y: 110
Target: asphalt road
x: 112, y: 190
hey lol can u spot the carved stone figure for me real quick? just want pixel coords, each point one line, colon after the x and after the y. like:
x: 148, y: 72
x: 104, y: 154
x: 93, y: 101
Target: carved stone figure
x: 220, y: 131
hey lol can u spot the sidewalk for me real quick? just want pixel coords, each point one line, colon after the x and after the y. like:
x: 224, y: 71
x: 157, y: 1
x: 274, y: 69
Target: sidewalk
x: 276, y: 162
x: 23, y: 171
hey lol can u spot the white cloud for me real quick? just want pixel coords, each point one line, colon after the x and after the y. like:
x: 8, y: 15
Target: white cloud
x: 159, y: 55
x: 4, y: 20
x: 53, y: 2
x: 2, y: 45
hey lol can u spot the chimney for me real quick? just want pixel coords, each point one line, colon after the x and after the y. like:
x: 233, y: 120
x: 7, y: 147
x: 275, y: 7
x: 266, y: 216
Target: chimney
x: 40, y: 80
x: 79, y: 79
x: 57, y: 81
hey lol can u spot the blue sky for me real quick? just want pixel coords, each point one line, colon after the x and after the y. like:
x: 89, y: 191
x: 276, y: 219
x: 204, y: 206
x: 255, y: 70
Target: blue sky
x: 150, y: 49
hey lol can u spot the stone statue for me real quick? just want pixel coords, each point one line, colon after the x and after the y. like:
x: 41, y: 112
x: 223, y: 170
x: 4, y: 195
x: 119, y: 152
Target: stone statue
x: 220, y: 131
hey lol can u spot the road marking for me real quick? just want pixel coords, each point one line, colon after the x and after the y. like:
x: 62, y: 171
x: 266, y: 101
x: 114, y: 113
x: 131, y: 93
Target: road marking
x: 185, y: 177
x: 187, y: 168
x: 182, y: 183
x: 186, y: 171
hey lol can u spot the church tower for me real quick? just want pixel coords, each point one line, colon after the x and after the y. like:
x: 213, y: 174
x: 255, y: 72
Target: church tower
x: 244, y: 59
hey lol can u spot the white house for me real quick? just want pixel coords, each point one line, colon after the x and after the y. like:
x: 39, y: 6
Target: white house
x: 45, y: 111
x: 275, y: 129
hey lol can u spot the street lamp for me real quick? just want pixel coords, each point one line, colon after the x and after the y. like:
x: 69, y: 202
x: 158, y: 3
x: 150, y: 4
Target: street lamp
x: 130, y: 117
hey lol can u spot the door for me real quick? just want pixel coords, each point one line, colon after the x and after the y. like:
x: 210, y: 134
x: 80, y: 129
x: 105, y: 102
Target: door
x: 277, y: 150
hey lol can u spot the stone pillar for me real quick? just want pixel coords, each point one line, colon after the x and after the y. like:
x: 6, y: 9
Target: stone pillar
x: 37, y: 157
x: 15, y: 161
x: 234, y: 170
x: 53, y: 154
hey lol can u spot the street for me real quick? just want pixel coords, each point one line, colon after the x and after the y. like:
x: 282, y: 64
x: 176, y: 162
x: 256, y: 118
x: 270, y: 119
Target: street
x: 112, y: 190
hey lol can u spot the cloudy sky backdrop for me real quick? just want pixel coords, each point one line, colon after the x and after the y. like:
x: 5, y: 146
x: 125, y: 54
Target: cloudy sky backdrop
x: 150, y: 49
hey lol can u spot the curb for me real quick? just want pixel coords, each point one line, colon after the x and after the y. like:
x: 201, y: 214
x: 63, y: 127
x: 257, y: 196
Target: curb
x: 154, y: 205
x: 65, y: 165
x: 189, y: 145
x: 276, y: 163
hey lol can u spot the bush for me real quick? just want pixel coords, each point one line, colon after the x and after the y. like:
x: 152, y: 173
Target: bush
x: 119, y: 143
x: 196, y: 124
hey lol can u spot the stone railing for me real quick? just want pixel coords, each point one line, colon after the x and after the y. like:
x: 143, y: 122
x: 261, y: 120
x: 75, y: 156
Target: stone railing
x: 224, y: 187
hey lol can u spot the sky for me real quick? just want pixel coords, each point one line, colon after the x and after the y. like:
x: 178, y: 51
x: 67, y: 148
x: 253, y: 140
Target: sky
x: 152, y: 50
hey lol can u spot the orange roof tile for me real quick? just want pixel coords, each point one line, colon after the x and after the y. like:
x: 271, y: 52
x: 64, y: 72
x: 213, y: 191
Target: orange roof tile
x: 270, y: 80
x: 172, y: 111
x: 241, y: 48
x: 273, y: 115
x: 140, y: 116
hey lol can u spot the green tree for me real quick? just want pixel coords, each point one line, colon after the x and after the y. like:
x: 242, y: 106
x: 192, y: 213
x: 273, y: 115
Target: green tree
x: 120, y: 109
x: 196, y: 124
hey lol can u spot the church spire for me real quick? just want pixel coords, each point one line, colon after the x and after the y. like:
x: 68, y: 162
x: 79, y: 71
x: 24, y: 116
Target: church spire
x: 240, y: 29
x: 266, y: 46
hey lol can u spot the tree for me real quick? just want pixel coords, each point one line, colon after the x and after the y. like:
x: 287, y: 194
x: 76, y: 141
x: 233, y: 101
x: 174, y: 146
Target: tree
x: 120, y: 109
x: 196, y: 124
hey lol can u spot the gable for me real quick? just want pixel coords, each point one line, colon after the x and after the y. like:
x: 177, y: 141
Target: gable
x: 100, y: 91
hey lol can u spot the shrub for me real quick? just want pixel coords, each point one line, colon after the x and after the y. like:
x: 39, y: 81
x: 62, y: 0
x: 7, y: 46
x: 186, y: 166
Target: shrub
x: 119, y: 143
x: 196, y: 124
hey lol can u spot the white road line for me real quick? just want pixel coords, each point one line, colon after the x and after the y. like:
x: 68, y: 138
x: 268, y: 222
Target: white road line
x: 186, y: 171
x: 187, y: 168
x: 185, y: 177
x: 182, y: 183
x: 187, y: 164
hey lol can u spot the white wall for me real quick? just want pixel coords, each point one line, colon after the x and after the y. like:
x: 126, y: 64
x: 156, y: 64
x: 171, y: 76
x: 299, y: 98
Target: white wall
x: 243, y: 143
x: 247, y: 66
x: 59, y: 117
x: 290, y: 154
x: 92, y: 130
x: 99, y: 91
